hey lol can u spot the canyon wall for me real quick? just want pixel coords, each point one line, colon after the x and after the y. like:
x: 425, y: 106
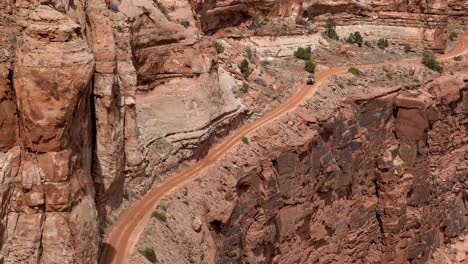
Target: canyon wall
x: 100, y: 99
x: 383, y: 181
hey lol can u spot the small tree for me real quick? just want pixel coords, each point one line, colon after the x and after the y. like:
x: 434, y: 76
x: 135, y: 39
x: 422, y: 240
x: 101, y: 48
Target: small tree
x: 245, y: 140
x: 355, y: 38
x: 303, y: 54
x: 330, y: 29
x: 219, y: 48
x: 458, y: 58
x: 429, y: 60
x: 149, y: 254
x: 244, y: 68
x: 161, y: 7
x: 309, y: 66
x: 382, y: 43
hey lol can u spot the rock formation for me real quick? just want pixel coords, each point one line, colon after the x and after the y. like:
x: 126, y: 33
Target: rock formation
x: 380, y: 182
x: 100, y: 99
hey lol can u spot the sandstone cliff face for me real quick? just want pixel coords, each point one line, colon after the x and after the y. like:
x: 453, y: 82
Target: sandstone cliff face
x: 381, y: 182
x: 49, y: 213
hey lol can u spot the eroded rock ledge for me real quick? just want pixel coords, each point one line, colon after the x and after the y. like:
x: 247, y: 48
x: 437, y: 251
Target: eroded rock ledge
x: 383, y: 181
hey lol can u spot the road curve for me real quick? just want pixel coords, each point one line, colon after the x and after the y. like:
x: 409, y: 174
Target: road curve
x: 125, y: 233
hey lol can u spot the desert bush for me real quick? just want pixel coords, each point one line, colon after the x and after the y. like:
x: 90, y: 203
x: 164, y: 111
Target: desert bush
x: 303, y: 54
x: 309, y: 66
x: 429, y: 60
x: 245, y: 140
x: 244, y: 68
x: 383, y: 43
x: 172, y: 8
x: 149, y: 254
x: 160, y: 216
x: 219, y: 48
x: 330, y: 29
x: 244, y: 88
x: 161, y: 7
x: 185, y: 23
x: 355, y: 38
x: 114, y: 8
x: 354, y: 71
x: 458, y: 58
x: 408, y: 48
x: 453, y: 36
x: 368, y: 44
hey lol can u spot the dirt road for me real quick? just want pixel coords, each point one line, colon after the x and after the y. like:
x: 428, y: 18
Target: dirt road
x: 127, y: 230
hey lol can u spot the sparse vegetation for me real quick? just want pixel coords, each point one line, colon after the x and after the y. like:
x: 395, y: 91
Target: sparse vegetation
x: 368, y: 44
x: 408, y: 48
x: 244, y: 68
x: 161, y: 7
x: 149, y: 254
x: 125, y: 195
x: 355, y: 38
x: 219, y: 48
x: 114, y: 8
x: 185, y: 23
x: 309, y: 66
x: 302, y: 22
x: 249, y: 54
x: 429, y: 60
x: 160, y: 216
x: 245, y: 140
x: 330, y: 29
x: 458, y: 58
x: 255, y: 24
x: 383, y: 43
x: 303, y: 54
x: 244, y: 88
x: 354, y: 71
x: 172, y: 8
x: 453, y: 36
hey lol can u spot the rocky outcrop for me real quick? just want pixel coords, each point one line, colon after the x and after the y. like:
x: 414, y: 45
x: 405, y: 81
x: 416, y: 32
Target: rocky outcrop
x: 380, y: 182
x: 47, y: 190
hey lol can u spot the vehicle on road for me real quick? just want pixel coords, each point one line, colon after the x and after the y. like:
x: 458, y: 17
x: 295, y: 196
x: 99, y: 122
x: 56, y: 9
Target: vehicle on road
x: 310, y: 79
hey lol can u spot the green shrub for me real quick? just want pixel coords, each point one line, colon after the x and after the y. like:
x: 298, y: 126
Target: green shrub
x: 330, y: 29
x: 185, y: 23
x: 354, y: 71
x: 453, y: 36
x: 429, y: 60
x: 149, y: 254
x: 245, y: 140
x: 303, y: 54
x: 408, y: 48
x: 161, y: 7
x: 244, y: 68
x: 309, y: 66
x: 172, y: 8
x: 219, y: 48
x: 355, y: 38
x: 458, y: 58
x: 159, y: 215
x: 244, y: 88
x: 383, y: 43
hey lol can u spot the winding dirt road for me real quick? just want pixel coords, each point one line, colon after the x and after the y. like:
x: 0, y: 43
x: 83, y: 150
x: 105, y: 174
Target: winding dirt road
x: 126, y: 231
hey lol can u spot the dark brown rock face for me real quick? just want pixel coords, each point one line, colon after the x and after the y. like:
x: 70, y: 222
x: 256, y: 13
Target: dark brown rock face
x: 383, y: 182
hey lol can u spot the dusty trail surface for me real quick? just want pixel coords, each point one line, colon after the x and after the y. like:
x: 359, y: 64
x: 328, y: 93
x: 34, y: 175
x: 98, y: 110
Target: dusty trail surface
x: 127, y: 230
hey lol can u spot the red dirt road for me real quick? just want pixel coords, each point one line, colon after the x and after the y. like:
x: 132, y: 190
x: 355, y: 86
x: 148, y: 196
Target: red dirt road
x: 126, y: 231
